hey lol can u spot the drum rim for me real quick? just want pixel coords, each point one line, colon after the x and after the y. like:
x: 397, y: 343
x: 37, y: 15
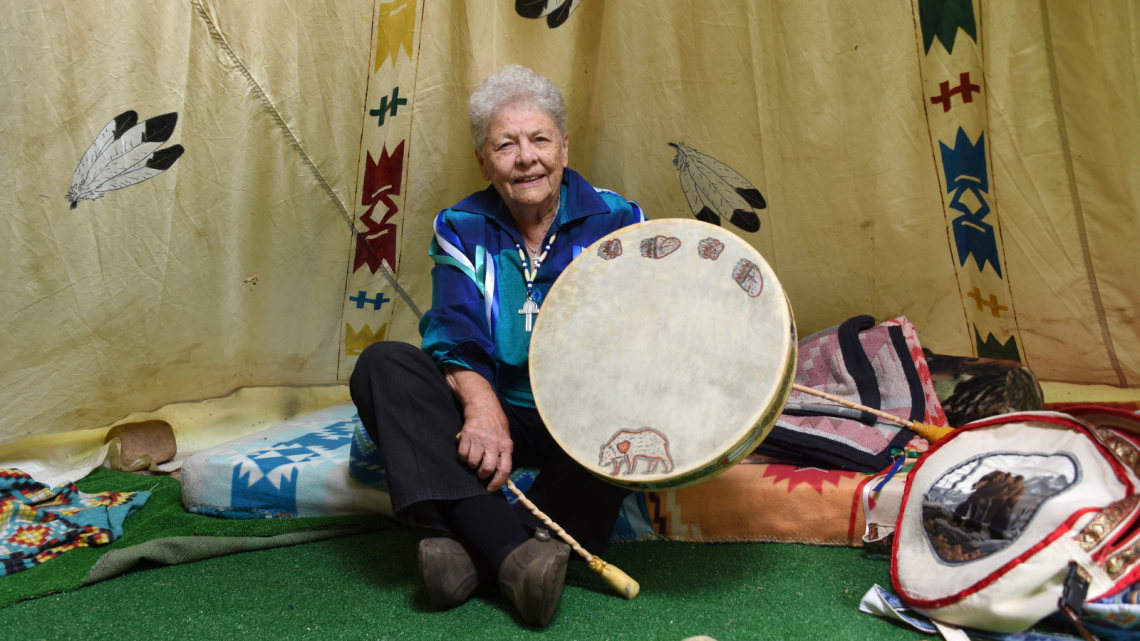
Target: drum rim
x: 749, y: 438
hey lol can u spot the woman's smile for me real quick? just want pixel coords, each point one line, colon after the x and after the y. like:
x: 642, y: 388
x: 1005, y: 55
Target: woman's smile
x: 523, y: 157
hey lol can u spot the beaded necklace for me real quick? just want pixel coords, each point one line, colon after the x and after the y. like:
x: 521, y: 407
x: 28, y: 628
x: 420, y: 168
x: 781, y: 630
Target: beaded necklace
x: 530, y: 308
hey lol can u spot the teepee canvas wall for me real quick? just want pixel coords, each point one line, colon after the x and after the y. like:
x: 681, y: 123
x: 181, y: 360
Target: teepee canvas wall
x: 969, y: 164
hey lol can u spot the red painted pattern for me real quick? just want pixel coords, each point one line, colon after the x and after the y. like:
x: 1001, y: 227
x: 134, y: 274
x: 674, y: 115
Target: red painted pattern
x: 382, y: 180
x: 812, y: 477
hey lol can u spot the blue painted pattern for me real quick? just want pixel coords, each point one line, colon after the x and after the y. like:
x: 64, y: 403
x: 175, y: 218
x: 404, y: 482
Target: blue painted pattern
x: 965, y: 169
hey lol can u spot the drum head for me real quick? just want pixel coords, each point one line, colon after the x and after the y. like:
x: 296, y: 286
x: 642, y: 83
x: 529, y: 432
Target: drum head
x: 663, y: 354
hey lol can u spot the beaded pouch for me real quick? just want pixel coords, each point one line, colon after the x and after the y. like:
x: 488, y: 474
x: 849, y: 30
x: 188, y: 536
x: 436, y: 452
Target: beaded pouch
x: 1013, y: 518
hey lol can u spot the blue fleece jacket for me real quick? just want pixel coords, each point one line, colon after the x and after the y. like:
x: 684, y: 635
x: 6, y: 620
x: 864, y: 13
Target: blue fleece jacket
x: 478, y: 284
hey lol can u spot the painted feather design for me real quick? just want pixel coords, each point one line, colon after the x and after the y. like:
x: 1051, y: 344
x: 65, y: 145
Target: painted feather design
x: 124, y: 153
x: 714, y: 190
x: 556, y: 12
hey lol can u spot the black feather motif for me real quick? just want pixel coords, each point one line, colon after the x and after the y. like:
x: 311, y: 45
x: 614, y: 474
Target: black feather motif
x: 556, y: 18
x: 123, y: 122
x: 707, y: 215
x: 556, y: 12
x: 753, y: 197
x: 125, y: 152
x: 715, y: 190
x: 531, y: 9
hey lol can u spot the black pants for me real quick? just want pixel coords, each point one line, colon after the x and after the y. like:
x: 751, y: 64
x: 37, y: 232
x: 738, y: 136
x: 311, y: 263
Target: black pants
x: 412, y: 415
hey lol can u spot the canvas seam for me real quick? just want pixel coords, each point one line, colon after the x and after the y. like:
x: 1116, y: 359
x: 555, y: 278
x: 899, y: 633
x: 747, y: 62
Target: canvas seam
x: 920, y: 53
x: 349, y: 265
x: 1078, y: 210
x: 1008, y: 280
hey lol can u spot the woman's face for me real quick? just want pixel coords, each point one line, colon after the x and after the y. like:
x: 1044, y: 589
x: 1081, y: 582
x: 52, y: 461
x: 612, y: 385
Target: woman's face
x: 523, y: 157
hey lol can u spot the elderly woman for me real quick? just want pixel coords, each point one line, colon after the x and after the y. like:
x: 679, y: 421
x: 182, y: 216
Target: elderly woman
x: 454, y: 417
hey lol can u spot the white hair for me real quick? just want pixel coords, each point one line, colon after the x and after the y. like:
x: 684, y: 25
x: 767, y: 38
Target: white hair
x: 510, y: 85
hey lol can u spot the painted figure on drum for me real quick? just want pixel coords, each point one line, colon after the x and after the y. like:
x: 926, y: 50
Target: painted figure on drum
x: 628, y: 446
x: 455, y: 416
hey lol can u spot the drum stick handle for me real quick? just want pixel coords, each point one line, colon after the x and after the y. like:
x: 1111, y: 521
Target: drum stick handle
x: 615, y: 578
x: 931, y: 433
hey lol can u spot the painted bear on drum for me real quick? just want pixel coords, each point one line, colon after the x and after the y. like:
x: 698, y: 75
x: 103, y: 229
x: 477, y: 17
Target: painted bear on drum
x: 629, y: 445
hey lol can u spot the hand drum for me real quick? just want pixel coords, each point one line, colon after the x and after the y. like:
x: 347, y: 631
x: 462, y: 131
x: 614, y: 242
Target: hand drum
x: 663, y: 354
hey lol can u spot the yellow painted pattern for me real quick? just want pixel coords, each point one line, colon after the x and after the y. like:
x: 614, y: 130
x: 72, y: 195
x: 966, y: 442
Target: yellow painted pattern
x: 396, y: 30
x: 355, y: 342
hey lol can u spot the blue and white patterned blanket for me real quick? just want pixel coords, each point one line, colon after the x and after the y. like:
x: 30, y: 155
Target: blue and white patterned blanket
x: 299, y: 468
x: 322, y: 464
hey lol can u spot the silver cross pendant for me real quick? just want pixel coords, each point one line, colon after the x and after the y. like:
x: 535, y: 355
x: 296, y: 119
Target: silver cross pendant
x: 529, y: 309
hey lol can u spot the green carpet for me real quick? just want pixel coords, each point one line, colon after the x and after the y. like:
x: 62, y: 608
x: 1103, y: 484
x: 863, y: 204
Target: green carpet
x: 365, y: 587
x: 166, y: 533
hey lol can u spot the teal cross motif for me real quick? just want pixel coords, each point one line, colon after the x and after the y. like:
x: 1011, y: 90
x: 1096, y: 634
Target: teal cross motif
x: 362, y: 298
x: 388, y: 108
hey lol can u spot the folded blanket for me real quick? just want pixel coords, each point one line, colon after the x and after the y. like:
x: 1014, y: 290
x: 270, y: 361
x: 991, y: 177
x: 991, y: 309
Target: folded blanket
x: 765, y: 500
x: 299, y: 468
x: 38, y: 522
x: 879, y: 366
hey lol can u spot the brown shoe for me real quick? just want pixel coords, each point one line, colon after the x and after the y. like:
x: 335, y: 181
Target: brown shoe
x: 447, y: 571
x: 532, y: 576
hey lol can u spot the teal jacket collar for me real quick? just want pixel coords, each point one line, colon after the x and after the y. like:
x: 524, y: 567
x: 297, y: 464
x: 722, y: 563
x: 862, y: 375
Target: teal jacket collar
x: 581, y: 201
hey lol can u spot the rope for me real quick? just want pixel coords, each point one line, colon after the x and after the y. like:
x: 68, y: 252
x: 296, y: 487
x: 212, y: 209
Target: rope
x: 275, y: 115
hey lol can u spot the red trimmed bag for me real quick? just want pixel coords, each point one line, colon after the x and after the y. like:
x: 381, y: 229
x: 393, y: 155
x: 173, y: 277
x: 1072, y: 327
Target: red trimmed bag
x: 995, y: 515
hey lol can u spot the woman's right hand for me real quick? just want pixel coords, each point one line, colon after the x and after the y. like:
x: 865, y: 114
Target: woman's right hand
x: 485, y: 443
